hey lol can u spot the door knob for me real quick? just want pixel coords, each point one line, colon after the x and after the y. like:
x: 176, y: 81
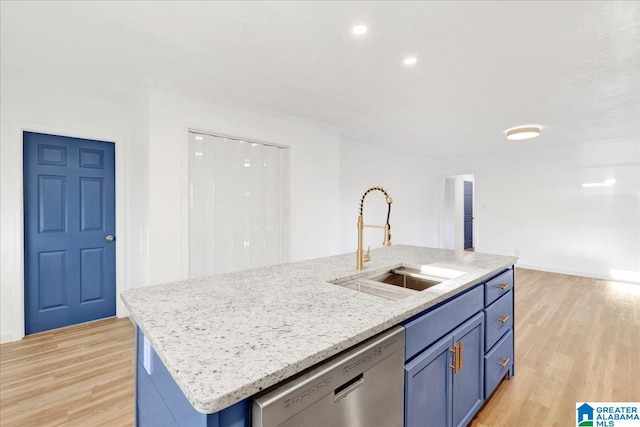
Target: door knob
x: 109, y: 238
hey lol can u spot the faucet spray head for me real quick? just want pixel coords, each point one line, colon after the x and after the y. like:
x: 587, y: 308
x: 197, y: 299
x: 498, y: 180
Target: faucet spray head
x: 387, y: 235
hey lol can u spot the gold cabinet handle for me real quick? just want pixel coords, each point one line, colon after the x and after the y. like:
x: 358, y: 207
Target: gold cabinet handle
x: 505, y: 360
x: 454, y: 350
x: 460, y: 356
x: 503, y: 318
x: 504, y: 286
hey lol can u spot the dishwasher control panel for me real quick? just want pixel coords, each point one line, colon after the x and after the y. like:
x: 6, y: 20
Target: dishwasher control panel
x: 320, y: 387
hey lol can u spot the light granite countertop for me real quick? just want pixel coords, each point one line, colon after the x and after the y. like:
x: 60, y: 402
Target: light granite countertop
x: 226, y: 337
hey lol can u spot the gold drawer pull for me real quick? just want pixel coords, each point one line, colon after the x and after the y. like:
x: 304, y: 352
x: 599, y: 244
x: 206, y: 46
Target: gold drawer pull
x: 505, y: 360
x: 504, y: 286
x: 503, y: 318
x: 460, y: 356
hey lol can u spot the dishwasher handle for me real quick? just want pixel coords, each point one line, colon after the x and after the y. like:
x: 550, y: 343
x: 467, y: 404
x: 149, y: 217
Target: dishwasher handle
x: 342, y: 391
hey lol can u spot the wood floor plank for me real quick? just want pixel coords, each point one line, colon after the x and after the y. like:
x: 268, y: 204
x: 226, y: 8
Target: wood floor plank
x: 577, y: 339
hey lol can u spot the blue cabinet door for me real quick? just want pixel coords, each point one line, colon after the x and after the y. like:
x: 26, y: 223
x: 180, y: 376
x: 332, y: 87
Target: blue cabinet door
x: 468, y: 382
x: 428, y: 387
x: 69, y: 210
x: 439, y: 394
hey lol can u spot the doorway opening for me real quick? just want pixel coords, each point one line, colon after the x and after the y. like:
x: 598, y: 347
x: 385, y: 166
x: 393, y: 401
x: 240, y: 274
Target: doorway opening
x: 458, y: 219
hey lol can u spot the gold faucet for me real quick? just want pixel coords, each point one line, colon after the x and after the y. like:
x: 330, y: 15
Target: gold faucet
x: 361, y: 257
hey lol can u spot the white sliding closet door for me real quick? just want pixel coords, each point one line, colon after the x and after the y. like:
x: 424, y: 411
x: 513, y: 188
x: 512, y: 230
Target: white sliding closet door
x: 238, y: 213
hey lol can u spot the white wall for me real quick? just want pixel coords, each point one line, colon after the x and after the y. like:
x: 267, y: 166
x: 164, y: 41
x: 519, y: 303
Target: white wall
x: 529, y: 200
x: 137, y: 242
x: 41, y: 107
x: 412, y: 181
x: 152, y: 178
x: 315, y: 185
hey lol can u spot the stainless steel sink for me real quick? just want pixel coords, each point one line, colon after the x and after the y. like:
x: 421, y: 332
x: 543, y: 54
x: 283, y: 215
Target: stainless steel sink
x: 407, y: 278
x: 400, y: 282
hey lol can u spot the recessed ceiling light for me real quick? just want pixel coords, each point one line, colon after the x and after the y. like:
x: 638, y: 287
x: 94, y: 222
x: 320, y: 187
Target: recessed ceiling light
x: 359, y: 30
x: 522, y: 132
x: 410, y: 60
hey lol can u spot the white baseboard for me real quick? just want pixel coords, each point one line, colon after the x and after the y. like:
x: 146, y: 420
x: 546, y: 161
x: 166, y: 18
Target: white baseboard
x: 6, y: 337
x: 564, y: 271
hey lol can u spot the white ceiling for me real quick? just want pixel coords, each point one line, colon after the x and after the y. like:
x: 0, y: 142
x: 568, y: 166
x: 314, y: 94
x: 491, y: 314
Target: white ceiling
x: 572, y: 67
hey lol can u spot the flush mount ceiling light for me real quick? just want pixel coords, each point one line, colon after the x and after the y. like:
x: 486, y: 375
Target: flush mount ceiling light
x: 522, y: 132
x: 359, y: 30
x: 410, y: 60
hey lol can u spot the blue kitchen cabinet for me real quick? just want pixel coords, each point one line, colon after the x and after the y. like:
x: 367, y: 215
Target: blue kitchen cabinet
x: 458, y: 352
x: 499, y: 332
x: 444, y: 384
x: 161, y: 403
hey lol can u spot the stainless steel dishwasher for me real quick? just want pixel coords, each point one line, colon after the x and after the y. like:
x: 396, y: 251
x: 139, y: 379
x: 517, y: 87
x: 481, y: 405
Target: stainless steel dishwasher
x: 363, y: 386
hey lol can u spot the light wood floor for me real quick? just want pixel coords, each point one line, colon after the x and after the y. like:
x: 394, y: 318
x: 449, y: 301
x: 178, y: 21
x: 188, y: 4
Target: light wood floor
x: 577, y: 340
x: 77, y: 376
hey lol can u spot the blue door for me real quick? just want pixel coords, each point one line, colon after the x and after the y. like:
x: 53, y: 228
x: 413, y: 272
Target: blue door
x: 468, y: 214
x: 69, y: 224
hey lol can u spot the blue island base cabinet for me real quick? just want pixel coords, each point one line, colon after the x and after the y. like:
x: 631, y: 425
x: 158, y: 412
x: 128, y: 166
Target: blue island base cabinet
x: 161, y: 403
x: 457, y: 353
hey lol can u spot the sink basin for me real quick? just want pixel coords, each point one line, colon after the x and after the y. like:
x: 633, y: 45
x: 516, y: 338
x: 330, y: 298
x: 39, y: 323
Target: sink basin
x: 407, y: 278
x: 400, y: 282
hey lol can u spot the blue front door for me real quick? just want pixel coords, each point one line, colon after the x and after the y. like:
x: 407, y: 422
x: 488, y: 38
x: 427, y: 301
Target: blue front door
x: 69, y: 225
x: 468, y: 214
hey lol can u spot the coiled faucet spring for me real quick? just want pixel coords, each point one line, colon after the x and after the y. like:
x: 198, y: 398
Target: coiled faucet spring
x: 361, y: 257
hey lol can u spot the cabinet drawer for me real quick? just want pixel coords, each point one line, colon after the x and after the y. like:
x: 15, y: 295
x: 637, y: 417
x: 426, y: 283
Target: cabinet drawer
x: 494, y: 371
x: 499, y: 319
x: 498, y: 286
x: 426, y: 329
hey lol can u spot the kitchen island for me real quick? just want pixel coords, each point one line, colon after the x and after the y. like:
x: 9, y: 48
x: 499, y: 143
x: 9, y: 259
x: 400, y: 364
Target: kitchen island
x: 224, y: 338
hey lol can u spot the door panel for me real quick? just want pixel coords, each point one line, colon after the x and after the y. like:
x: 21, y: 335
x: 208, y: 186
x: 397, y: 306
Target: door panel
x: 468, y: 214
x: 69, y: 209
x: 91, y: 274
x: 52, y: 211
x: 91, y: 209
x: 428, y: 387
x: 468, y: 383
x: 91, y: 158
x: 51, y: 269
x: 52, y: 155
